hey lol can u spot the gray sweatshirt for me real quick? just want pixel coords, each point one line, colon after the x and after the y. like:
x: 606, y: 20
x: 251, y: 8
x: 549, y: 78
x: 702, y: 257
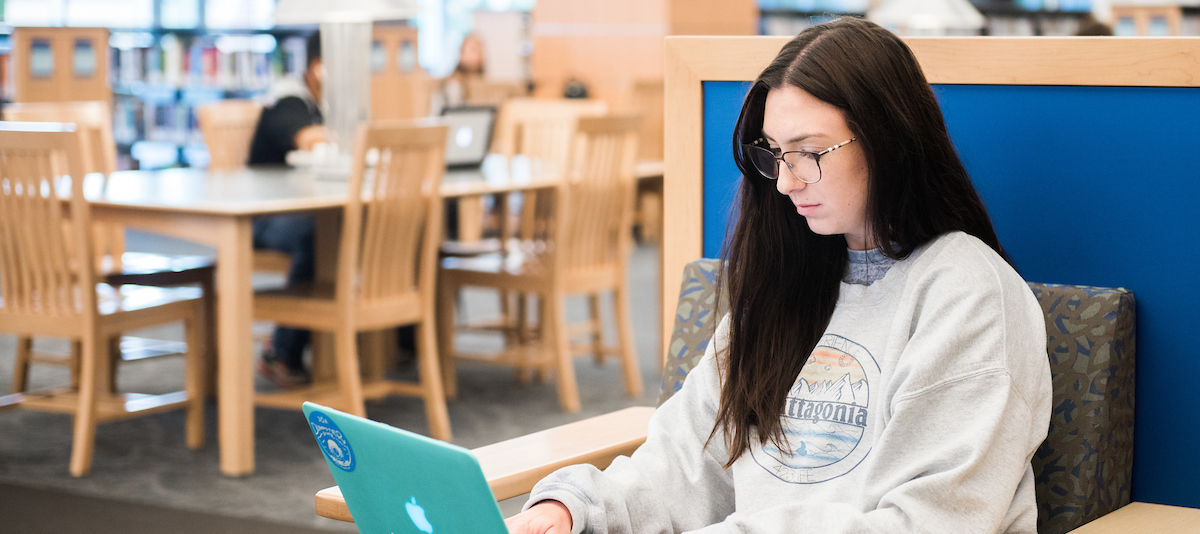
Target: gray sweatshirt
x: 918, y: 411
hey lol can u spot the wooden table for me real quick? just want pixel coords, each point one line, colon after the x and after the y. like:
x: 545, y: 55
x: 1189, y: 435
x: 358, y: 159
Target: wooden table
x: 217, y: 209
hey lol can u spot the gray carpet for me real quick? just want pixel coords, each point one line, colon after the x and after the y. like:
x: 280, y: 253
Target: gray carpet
x: 145, y: 463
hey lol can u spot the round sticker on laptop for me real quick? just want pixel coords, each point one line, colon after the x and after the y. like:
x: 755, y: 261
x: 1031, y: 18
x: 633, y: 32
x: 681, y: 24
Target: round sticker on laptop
x: 332, y: 441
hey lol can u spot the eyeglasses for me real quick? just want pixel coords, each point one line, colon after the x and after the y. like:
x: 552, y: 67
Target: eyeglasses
x: 804, y: 165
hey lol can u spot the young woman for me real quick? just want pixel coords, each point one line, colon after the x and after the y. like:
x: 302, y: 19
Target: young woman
x: 455, y: 89
x: 882, y: 369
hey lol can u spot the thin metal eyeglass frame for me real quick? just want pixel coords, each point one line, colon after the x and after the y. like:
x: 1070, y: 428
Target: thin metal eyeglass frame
x: 816, y: 158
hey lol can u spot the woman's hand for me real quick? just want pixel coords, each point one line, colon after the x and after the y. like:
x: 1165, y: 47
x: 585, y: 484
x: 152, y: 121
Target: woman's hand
x: 546, y: 517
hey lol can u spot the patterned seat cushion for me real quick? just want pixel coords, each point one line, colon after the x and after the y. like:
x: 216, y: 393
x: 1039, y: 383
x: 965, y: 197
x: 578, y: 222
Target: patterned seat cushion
x: 1084, y: 467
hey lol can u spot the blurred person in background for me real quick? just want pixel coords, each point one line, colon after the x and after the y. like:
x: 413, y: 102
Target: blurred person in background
x: 455, y: 90
x: 290, y: 120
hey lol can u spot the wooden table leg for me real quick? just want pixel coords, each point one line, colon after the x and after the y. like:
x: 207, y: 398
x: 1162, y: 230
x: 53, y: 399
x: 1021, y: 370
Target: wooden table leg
x: 470, y: 219
x: 235, y: 299
x: 325, y: 251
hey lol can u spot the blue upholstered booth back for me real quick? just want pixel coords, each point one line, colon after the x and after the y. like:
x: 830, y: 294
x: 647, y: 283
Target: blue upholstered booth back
x: 1086, y: 185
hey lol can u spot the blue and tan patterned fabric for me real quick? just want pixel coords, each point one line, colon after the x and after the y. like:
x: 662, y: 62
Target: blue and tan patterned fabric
x: 695, y: 322
x: 1084, y: 467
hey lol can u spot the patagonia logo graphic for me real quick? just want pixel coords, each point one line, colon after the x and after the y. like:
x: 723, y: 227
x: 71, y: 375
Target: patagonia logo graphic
x: 826, y: 415
x: 332, y: 441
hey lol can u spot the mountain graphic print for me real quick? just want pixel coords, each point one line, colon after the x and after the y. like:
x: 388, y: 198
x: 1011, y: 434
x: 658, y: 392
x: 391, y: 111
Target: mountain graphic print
x: 826, y: 415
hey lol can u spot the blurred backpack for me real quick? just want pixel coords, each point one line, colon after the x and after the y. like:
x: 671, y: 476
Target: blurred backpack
x: 575, y: 88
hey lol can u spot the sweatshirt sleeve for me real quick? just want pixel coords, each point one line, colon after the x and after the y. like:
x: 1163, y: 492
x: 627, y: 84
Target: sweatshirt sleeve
x: 969, y: 406
x: 672, y: 483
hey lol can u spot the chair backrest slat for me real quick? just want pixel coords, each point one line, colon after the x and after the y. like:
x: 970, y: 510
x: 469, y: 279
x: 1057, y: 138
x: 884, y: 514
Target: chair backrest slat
x: 393, y: 233
x: 597, y: 198
x: 44, y: 241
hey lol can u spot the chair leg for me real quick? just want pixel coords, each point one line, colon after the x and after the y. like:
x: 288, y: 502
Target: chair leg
x: 462, y: 310
x: 597, y: 332
x: 431, y: 382
x: 93, y: 356
x: 114, y: 361
x: 195, y: 377
x: 559, y: 346
x: 21, y: 370
x: 373, y: 354
x: 514, y: 333
x: 324, y: 365
x: 509, y: 318
x: 74, y: 358
x: 541, y: 327
x: 349, y: 379
x: 629, y: 360
x: 445, y: 338
x: 208, y: 331
x: 521, y: 319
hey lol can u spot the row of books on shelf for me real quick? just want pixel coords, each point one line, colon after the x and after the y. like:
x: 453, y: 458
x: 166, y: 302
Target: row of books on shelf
x: 167, y: 122
x: 225, y: 61
x: 783, y: 23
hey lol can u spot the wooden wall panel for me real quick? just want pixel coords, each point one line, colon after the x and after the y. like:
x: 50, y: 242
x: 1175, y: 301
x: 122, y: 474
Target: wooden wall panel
x: 612, y: 45
x: 713, y: 17
x: 609, y: 65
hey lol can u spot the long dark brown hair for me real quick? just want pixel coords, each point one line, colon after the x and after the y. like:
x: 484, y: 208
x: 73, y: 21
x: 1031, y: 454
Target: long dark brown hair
x: 781, y: 279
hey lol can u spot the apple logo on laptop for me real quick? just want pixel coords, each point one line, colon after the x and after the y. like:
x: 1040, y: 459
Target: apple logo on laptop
x: 417, y: 514
x: 462, y: 138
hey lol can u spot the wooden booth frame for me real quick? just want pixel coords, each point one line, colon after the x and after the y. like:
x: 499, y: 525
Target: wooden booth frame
x: 1061, y: 65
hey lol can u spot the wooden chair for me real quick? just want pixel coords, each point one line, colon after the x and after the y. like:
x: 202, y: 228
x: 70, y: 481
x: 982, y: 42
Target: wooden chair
x: 93, y: 121
x: 115, y: 266
x: 648, y: 103
x: 48, y: 287
x: 540, y: 129
x: 385, y: 276
x: 228, y: 128
x: 586, y: 251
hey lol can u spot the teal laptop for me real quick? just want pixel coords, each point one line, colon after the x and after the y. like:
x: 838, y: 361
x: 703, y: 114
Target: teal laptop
x: 398, y: 482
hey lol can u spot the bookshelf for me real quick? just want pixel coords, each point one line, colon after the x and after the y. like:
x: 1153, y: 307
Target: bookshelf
x: 1156, y: 20
x: 6, y: 83
x: 159, y: 77
x: 1003, y: 17
x: 160, y: 60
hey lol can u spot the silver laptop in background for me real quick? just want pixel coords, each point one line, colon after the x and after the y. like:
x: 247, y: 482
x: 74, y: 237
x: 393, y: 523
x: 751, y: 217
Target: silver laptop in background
x: 469, y: 135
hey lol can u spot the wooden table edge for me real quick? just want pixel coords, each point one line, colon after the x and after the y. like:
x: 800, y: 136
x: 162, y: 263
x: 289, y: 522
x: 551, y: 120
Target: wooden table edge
x: 1145, y: 517
x: 330, y: 503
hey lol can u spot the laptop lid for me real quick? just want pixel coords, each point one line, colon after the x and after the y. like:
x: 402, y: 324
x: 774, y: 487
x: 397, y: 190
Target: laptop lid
x: 469, y: 135
x: 398, y: 482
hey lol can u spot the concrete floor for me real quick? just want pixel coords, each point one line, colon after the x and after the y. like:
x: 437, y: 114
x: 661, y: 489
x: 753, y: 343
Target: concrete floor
x: 144, y: 461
